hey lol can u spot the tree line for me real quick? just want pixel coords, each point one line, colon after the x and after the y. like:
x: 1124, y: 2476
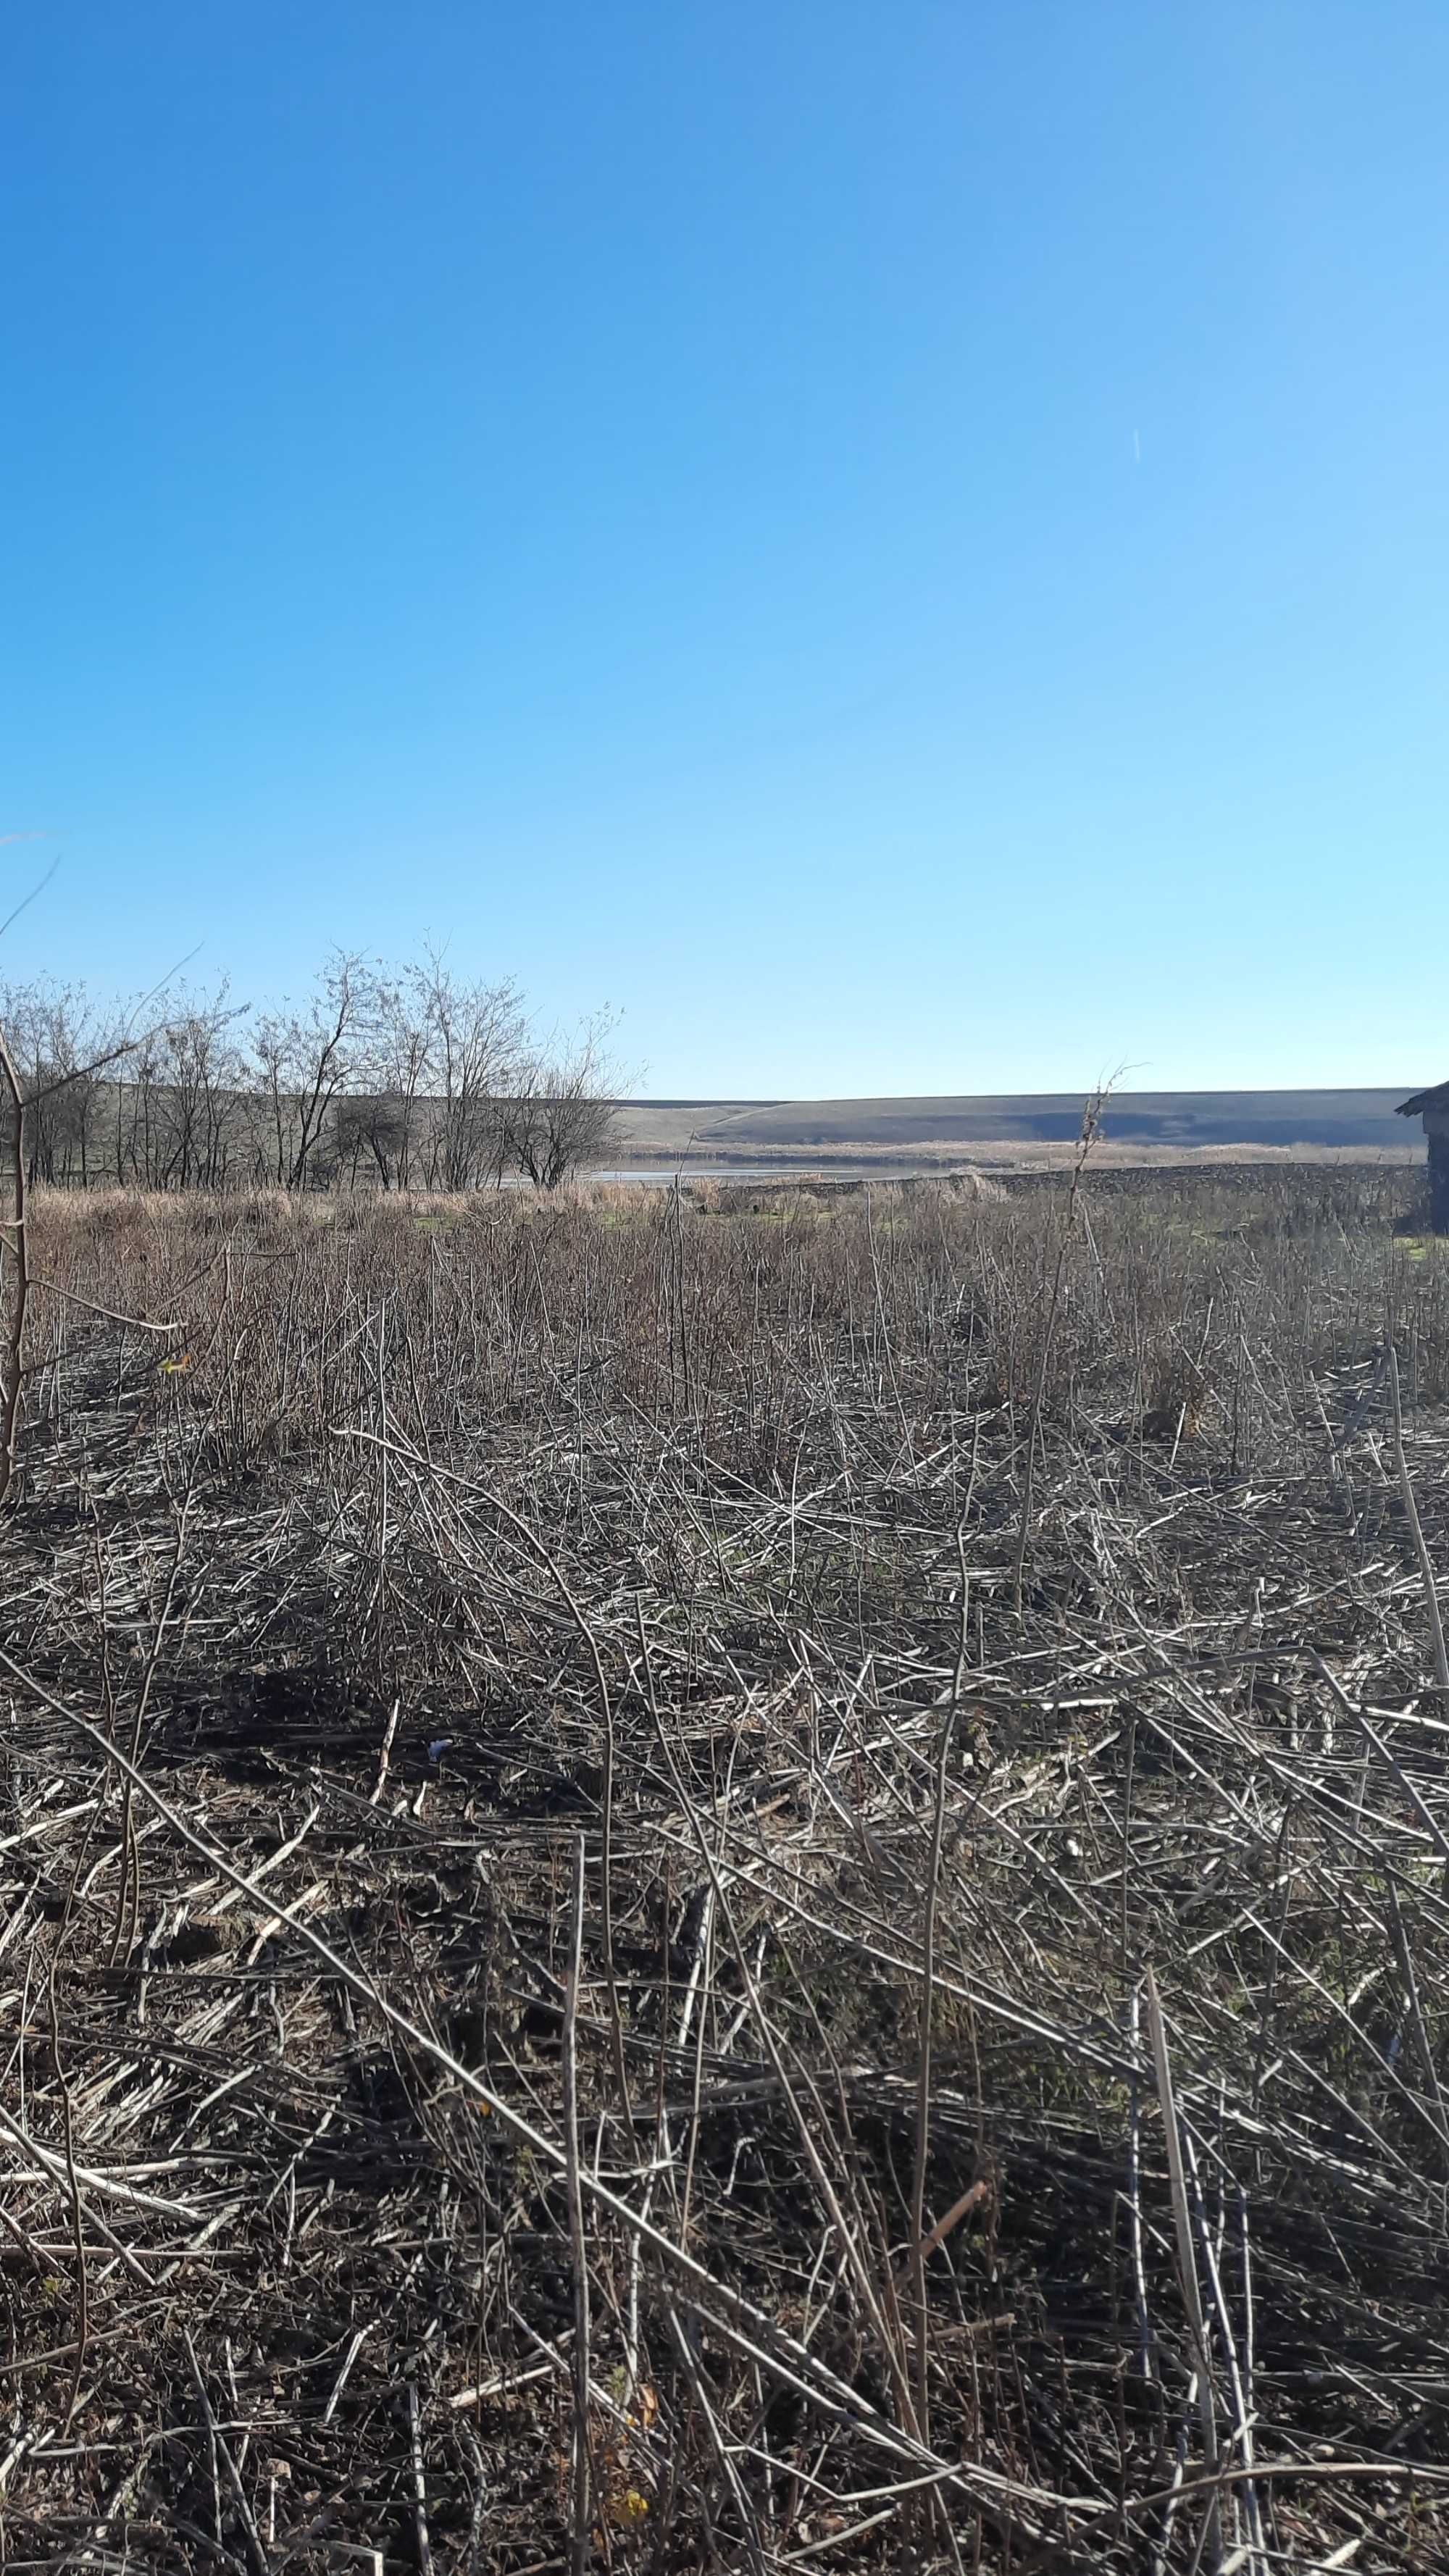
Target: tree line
x: 395, y: 1079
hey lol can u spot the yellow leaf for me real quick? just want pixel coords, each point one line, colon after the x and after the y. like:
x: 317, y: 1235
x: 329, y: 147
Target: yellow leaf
x: 628, y: 2508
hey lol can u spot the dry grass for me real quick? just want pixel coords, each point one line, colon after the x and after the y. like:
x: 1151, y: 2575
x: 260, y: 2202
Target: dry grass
x: 580, y: 1989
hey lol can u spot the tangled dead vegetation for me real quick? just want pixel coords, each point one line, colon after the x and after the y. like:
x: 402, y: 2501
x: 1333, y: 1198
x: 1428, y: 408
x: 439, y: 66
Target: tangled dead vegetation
x: 583, y: 1987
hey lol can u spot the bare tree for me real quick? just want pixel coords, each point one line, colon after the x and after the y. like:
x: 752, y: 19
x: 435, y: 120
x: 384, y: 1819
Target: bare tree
x: 393, y: 1124
x: 137, y: 1104
x: 199, y: 1108
x: 305, y: 1059
x: 58, y: 1043
x: 476, y: 1048
x: 405, y: 1079
x: 562, y: 1115
x: 372, y: 1128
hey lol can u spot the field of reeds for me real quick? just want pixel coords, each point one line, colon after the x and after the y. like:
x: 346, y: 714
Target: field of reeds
x: 740, y: 1886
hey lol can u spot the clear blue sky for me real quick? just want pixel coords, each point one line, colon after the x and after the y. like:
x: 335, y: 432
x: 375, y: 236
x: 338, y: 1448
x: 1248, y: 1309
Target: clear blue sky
x: 902, y: 545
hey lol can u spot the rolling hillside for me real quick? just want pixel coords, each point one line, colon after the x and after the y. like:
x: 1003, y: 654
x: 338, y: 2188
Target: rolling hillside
x: 1320, y: 1118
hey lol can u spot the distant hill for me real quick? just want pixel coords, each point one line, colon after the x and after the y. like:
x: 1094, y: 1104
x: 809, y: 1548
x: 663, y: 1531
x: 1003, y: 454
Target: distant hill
x: 1256, y: 1118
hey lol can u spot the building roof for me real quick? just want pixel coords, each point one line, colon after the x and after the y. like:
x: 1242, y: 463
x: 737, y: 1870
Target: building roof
x: 1437, y: 1097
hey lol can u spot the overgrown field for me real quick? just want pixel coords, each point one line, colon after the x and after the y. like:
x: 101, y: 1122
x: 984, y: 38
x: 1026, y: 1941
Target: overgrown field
x: 689, y: 1888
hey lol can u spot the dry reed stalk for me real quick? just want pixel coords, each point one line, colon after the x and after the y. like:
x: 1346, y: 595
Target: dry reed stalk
x: 320, y: 2118
x: 1411, y: 1508
x: 1187, y: 2262
x: 582, y: 2461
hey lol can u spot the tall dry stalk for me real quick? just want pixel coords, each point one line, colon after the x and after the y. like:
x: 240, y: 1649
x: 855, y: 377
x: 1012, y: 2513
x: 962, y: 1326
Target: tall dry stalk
x: 1090, y: 1130
x: 14, y: 1270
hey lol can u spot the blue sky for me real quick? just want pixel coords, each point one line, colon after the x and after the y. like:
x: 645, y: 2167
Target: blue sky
x: 904, y: 547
